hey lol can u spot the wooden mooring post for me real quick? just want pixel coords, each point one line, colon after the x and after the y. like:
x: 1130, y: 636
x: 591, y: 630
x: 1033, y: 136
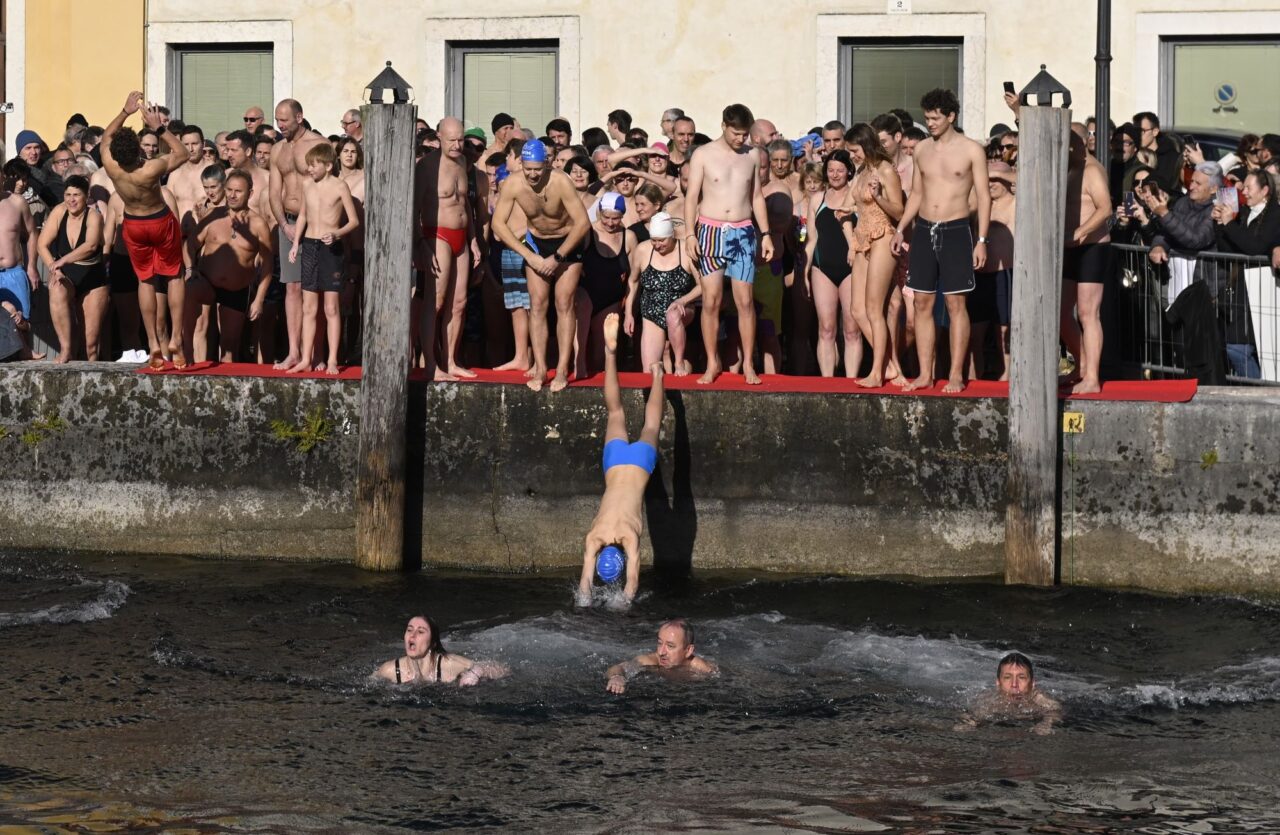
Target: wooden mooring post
x: 1032, y: 513
x: 388, y: 121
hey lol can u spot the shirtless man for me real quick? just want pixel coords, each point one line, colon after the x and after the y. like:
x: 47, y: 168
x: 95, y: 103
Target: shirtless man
x: 212, y: 182
x: 683, y: 130
x: 288, y: 173
x: 627, y: 467
x: 240, y: 157
x: 724, y: 196
x: 1015, y: 697
x: 426, y: 661
x: 1087, y: 263
x: 447, y: 245
x: 185, y: 181
x: 948, y: 169
x: 552, y: 250
x: 19, y: 275
x: 233, y: 248
x: 674, y: 658
x: 150, y: 228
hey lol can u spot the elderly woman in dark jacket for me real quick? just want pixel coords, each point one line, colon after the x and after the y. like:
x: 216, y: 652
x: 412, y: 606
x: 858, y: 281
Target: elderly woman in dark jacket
x: 1255, y: 230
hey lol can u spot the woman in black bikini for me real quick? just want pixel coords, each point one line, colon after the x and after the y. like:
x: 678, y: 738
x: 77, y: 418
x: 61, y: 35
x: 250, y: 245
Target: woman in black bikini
x: 71, y: 247
x: 605, y: 265
x: 827, y: 254
x: 665, y: 275
x: 426, y: 661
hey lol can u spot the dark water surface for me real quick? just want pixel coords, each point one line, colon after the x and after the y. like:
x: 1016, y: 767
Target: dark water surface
x: 166, y: 694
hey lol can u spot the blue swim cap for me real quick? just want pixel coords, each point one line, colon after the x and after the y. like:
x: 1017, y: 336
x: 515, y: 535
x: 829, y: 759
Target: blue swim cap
x: 797, y: 145
x: 610, y: 562
x: 501, y: 173
x: 533, y: 151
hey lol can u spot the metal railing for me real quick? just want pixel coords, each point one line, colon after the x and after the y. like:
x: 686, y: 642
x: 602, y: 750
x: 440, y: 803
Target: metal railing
x: 1234, y: 301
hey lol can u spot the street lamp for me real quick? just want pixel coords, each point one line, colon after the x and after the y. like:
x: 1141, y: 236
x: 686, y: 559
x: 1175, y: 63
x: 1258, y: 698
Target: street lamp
x: 388, y: 88
x: 1102, y: 86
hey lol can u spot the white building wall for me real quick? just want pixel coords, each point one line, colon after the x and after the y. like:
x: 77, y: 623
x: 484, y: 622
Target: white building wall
x: 778, y: 58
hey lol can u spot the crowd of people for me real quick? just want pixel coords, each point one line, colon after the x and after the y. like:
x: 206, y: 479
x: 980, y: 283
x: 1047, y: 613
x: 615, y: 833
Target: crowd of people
x: 882, y: 251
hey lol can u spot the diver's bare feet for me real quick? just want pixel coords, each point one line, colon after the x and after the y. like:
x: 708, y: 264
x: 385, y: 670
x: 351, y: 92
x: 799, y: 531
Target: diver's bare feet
x: 750, y: 375
x: 1087, y: 387
x: 683, y: 368
x: 537, y: 377
x: 155, y: 362
x: 559, y: 382
x: 921, y: 382
x: 299, y: 367
x: 63, y: 357
x: 179, y: 360
x: 712, y: 372
x: 458, y: 371
x: 287, y: 363
x: 442, y: 376
x: 954, y: 385
x: 611, y: 333
x: 331, y: 369
x: 871, y: 381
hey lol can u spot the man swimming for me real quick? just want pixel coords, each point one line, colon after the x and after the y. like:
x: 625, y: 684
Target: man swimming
x: 673, y: 659
x: 627, y: 467
x: 1016, y: 697
x: 426, y: 661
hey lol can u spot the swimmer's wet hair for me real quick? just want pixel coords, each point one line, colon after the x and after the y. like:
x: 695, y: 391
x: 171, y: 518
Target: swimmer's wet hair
x: 1013, y: 659
x: 681, y: 624
x: 435, y: 645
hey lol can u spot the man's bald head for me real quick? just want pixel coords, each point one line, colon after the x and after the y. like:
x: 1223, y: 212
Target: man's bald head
x: 450, y: 131
x: 763, y: 132
x: 289, y: 118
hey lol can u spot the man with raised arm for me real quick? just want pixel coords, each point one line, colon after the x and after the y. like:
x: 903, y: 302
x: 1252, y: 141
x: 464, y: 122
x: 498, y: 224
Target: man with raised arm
x: 288, y: 174
x: 552, y: 250
x: 950, y: 169
x: 724, y: 197
x: 150, y: 229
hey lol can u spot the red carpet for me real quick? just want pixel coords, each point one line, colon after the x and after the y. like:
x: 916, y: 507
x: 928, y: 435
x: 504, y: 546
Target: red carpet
x: 1153, y: 391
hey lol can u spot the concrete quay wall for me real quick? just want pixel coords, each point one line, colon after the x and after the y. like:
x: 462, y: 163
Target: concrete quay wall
x: 1172, y: 497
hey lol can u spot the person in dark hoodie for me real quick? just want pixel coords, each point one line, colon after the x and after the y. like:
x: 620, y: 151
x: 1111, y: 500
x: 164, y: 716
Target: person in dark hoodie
x: 1168, y: 151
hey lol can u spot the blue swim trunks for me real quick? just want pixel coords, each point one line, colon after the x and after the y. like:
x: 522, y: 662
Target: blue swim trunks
x: 15, y: 289
x: 728, y: 246
x: 515, y: 288
x: 638, y: 454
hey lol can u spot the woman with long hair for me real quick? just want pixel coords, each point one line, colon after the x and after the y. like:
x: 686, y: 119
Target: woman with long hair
x: 426, y: 661
x: 878, y: 200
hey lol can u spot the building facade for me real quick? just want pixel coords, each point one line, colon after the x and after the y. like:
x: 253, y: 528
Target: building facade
x: 798, y: 63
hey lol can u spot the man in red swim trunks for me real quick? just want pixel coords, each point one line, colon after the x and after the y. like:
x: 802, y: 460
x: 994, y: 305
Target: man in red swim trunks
x: 151, y: 232
x: 443, y: 225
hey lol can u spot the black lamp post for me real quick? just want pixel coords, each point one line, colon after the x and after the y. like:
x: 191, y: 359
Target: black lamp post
x: 1102, y: 86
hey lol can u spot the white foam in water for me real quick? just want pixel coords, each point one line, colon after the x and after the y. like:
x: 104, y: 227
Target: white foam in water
x: 1256, y: 680
x: 112, y: 597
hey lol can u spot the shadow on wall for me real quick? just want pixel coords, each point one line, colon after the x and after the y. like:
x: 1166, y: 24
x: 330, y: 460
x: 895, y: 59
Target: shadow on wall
x: 673, y: 520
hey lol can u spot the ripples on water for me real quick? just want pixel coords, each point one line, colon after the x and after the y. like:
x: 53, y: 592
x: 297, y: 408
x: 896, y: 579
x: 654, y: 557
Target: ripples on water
x: 170, y: 694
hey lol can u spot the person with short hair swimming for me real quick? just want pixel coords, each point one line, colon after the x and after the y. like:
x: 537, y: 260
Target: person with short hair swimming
x: 1015, y: 697
x: 674, y: 658
x: 615, y: 532
x: 426, y: 661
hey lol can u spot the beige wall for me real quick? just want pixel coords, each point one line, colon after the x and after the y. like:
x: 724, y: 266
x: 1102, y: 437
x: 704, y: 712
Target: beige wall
x: 778, y: 58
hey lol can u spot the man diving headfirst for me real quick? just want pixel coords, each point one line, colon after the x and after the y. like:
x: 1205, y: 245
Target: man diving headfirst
x: 627, y: 467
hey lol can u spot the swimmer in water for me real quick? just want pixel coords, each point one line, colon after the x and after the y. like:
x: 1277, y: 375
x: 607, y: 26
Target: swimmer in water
x: 627, y: 467
x: 1015, y: 697
x: 426, y: 660
x: 674, y: 658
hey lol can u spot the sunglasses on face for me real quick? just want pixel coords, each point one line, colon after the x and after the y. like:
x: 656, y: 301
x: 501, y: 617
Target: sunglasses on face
x: 248, y: 119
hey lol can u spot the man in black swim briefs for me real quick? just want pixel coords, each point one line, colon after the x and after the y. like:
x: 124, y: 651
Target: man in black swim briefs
x: 627, y: 467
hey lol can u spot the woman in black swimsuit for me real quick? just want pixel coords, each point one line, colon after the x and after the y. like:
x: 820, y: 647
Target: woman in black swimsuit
x: 827, y: 254
x: 71, y: 247
x: 426, y: 661
x: 605, y: 266
x: 665, y: 276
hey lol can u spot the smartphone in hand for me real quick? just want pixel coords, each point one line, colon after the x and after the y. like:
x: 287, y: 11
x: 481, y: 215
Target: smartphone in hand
x: 1008, y: 87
